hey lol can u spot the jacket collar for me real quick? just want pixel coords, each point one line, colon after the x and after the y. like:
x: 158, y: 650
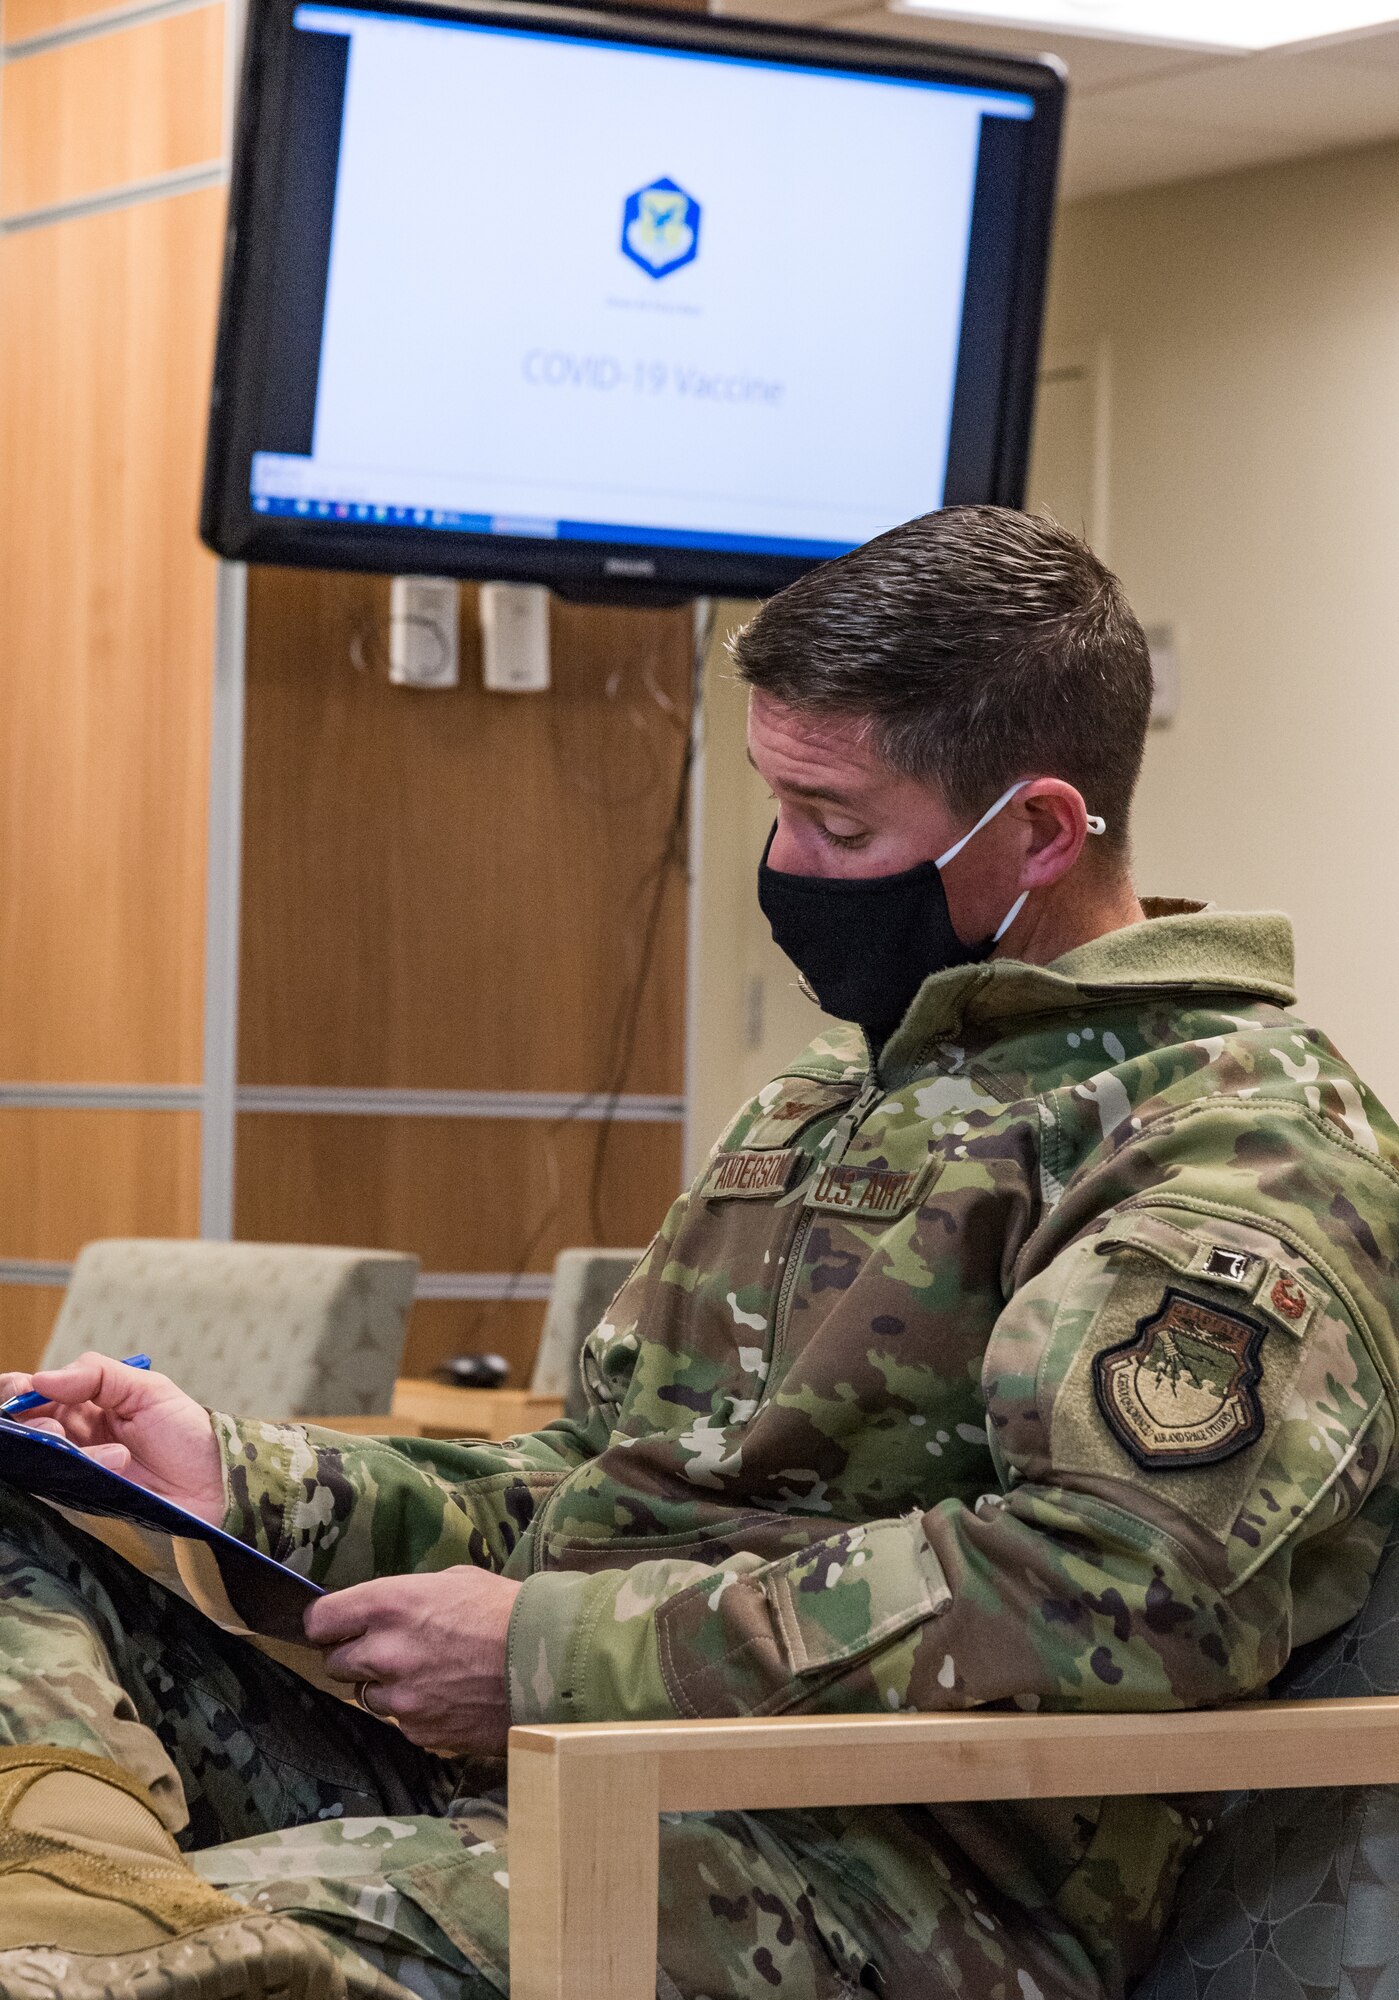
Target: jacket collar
x: 1181, y: 948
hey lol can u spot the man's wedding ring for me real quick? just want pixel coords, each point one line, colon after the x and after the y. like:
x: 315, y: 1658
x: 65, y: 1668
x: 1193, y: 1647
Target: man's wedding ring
x: 362, y: 1698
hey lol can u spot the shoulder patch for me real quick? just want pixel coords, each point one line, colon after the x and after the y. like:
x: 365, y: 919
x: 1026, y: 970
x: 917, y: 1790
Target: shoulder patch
x: 1183, y: 1391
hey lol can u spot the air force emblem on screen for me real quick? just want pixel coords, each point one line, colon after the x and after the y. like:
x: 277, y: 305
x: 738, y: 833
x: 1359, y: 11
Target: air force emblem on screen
x: 660, y: 228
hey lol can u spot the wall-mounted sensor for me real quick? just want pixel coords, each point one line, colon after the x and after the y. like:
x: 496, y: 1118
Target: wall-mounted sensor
x: 515, y: 637
x: 423, y: 613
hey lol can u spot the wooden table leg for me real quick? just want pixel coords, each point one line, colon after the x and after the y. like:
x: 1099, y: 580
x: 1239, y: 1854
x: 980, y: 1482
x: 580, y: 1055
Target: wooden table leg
x: 584, y: 1859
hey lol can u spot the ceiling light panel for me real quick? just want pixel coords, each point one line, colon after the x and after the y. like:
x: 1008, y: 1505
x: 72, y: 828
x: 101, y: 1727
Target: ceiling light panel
x: 1239, y: 26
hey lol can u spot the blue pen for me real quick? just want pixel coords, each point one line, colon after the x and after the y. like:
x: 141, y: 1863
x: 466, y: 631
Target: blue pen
x: 19, y: 1406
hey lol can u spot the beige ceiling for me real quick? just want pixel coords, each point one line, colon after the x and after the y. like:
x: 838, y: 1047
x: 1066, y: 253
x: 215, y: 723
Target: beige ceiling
x: 1139, y: 115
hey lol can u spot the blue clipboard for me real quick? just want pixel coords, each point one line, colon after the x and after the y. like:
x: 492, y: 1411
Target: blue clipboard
x: 269, y: 1598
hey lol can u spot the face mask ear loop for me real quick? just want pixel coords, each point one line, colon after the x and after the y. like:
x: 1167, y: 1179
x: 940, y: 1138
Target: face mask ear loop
x: 985, y: 820
x: 1011, y: 914
x: 1095, y: 825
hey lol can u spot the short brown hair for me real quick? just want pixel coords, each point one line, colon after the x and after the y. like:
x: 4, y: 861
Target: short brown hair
x: 983, y: 645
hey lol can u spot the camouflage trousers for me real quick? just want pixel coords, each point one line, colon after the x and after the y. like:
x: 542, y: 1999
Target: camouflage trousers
x: 294, y: 1802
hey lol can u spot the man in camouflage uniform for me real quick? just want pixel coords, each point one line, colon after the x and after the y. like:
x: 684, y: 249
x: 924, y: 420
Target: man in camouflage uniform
x: 1036, y: 1348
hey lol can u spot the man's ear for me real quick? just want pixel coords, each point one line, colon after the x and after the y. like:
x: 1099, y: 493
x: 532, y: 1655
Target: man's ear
x: 1054, y: 820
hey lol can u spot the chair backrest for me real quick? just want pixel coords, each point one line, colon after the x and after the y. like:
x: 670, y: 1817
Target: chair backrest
x: 585, y: 1284
x: 257, y: 1329
x: 1297, y: 1893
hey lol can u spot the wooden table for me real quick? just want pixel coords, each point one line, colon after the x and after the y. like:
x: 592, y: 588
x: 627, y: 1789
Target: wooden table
x: 445, y: 1412
x: 428, y: 1409
x: 436, y: 1411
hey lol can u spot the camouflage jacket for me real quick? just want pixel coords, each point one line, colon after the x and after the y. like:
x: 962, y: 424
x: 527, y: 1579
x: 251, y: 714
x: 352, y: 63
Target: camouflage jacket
x: 1052, y: 1363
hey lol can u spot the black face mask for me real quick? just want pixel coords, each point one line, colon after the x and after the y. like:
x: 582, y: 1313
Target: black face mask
x: 864, y: 945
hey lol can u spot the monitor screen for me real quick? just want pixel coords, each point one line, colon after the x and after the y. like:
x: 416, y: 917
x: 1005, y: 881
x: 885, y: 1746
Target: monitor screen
x: 612, y: 301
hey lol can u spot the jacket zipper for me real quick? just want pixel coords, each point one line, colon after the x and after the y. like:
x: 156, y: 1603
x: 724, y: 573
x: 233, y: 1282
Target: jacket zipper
x: 870, y: 1093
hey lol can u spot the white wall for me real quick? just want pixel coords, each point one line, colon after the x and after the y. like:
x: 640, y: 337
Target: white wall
x: 1223, y: 418
x: 1251, y: 334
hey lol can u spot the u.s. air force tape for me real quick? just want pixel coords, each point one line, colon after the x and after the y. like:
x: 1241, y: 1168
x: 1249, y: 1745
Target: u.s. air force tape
x: 870, y: 1194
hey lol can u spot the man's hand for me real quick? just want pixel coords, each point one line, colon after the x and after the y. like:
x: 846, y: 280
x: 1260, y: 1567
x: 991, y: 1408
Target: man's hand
x: 142, y: 1425
x: 432, y: 1649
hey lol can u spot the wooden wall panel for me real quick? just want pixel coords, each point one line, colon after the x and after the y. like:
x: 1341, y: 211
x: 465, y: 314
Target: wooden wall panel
x: 106, y: 634
x: 22, y: 18
x: 124, y: 106
x: 440, y: 1328
x: 447, y: 889
x: 465, y: 1194
x: 67, y: 1176
x: 27, y: 1314
x: 450, y: 891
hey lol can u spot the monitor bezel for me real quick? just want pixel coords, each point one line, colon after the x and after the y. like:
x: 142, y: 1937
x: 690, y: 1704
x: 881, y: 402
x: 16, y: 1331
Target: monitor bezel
x: 579, y: 569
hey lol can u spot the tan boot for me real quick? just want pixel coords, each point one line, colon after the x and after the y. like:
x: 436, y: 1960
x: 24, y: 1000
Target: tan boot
x: 98, y: 1903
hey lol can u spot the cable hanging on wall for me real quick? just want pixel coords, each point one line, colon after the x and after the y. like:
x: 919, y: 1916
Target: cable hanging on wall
x: 671, y: 854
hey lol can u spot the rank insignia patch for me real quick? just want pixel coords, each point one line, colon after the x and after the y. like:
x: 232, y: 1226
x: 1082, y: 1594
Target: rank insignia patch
x: 1183, y: 1391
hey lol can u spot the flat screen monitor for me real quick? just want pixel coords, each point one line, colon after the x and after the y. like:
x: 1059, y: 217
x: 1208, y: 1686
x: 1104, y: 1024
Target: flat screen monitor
x: 618, y: 301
